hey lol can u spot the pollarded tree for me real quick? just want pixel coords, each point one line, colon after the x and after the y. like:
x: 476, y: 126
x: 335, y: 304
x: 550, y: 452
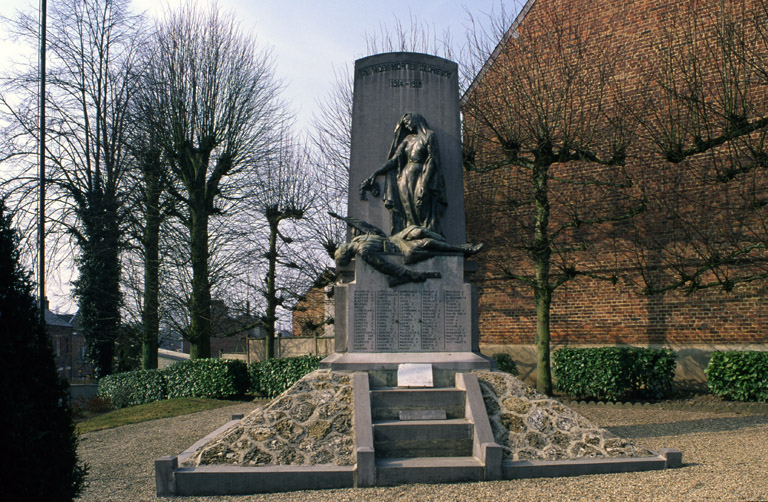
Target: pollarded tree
x: 284, y: 199
x: 216, y: 102
x: 36, y: 418
x: 702, y: 108
x: 545, y: 145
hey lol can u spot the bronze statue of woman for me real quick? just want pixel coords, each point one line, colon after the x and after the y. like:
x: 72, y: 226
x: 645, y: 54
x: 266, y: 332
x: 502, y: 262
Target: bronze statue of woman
x: 414, y: 188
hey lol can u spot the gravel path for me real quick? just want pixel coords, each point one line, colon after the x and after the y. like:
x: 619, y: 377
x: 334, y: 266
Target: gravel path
x: 725, y: 455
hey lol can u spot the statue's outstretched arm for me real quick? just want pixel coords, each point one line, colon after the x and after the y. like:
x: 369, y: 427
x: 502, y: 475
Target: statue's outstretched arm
x: 360, y: 225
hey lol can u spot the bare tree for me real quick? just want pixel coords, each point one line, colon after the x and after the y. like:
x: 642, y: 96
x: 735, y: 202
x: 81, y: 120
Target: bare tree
x: 702, y: 106
x: 416, y: 36
x: 217, y: 104
x: 283, y: 200
x: 330, y: 142
x: 92, y: 49
x: 151, y: 206
x: 544, y: 142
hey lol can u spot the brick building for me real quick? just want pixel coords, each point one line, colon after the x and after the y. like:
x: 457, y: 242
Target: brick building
x: 640, y: 202
x: 312, y: 312
x: 68, y: 345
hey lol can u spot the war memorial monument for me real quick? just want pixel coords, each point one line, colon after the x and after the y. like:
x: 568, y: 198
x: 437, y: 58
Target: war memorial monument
x: 405, y: 297
x: 406, y: 397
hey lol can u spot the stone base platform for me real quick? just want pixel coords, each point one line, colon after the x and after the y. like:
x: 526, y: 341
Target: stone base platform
x: 382, y: 366
x: 515, y: 433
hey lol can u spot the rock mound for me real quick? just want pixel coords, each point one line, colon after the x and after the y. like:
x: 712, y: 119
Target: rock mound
x: 529, y: 425
x: 308, y: 424
x: 311, y: 424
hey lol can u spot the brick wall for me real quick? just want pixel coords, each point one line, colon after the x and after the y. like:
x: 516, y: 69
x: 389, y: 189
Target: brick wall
x: 587, y: 310
x: 310, y: 313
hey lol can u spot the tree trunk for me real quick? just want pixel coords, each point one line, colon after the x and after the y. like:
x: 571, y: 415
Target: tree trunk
x: 150, y: 316
x: 270, y: 317
x: 200, y: 304
x: 98, y: 287
x: 542, y: 253
x: 543, y: 364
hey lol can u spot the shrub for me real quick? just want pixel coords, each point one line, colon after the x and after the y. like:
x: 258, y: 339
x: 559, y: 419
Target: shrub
x: 39, y: 441
x: 504, y: 362
x: 97, y: 405
x: 739, y: 375
x: 271, y: 377
x: 133, y: 387
x: 653, y: 372
x: 211, y: 378
x: 614, y: 373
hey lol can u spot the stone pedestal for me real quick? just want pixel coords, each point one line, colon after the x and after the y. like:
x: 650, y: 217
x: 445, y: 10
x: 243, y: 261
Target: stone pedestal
x: 379, y: 327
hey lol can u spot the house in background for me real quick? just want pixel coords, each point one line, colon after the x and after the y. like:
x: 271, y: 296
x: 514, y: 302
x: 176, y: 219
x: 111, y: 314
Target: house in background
x: 68, y: 345
x: 230, y: 334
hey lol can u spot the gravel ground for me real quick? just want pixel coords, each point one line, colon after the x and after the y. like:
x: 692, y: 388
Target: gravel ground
x: 725, y: 455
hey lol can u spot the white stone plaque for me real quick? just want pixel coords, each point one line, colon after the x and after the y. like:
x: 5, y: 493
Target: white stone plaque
x: 414, y: 375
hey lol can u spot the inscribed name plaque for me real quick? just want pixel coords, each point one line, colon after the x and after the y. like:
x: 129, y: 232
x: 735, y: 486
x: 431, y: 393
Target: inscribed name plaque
x: 414, y: 375
x: 433, y: 316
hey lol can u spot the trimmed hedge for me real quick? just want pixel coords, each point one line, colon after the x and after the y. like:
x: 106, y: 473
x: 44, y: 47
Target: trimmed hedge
x: 505, y: 363
x: 614, y: 373
x: 738, y: 375
x: 133, y: 387
x: 272, y: 377
x: 211, y: 378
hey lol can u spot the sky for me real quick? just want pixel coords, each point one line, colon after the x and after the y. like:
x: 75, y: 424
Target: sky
x: 308, y: 39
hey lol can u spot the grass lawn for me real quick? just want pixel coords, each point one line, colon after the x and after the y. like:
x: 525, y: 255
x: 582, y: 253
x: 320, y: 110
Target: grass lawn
x: 151, y: 411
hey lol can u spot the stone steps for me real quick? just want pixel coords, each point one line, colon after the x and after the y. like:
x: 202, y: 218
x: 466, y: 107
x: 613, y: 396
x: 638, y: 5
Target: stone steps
x: 402, y: 428
x: 397, y: 471
x: 423, y: 438
x: 386, y: 403
x: 423, y: 435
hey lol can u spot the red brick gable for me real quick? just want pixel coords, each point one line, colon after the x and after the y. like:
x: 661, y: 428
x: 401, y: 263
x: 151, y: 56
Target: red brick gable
x: 585, y: 309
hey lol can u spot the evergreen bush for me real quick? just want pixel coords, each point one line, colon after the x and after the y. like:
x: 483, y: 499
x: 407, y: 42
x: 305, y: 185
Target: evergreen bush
x: 40, y: 445
x: 272, y: 377
x: 738, y: 375
x: 133, y: 387
x: 614, y: 373
x: 211, y: 378
x: 504, y: 362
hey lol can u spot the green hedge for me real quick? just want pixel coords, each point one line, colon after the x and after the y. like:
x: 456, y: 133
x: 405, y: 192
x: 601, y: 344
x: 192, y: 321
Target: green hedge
x: 211, y: 378
x: 504, y: 362
x: 614, y: 373
x: 270, y: 378
x: 739, y: 375
x: 133, y: 387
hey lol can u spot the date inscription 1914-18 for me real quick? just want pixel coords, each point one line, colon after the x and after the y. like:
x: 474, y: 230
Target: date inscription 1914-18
x: 414, y: 84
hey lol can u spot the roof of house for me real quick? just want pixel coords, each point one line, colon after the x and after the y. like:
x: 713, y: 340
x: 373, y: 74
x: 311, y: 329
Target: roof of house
x: 55, y: 319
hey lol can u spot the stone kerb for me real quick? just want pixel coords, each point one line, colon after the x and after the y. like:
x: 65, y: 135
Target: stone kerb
x: 387, y: 86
